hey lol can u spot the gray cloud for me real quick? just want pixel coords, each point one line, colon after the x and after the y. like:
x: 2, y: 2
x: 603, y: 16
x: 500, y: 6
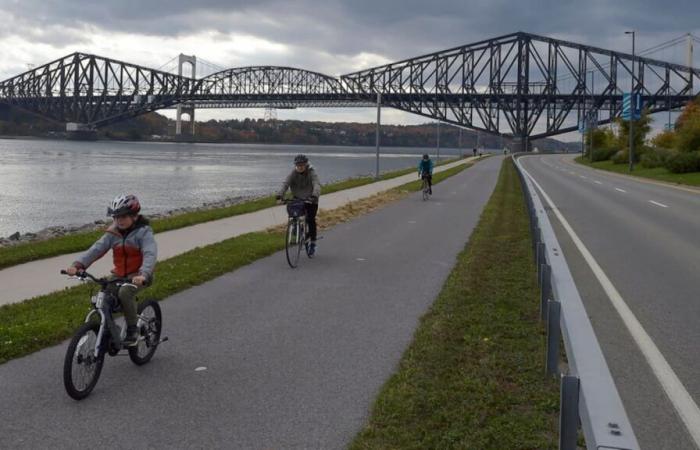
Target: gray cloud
x: 395, y: 29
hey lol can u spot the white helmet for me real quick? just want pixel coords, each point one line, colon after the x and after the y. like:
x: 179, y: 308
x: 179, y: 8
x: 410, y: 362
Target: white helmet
x: 123, y: 205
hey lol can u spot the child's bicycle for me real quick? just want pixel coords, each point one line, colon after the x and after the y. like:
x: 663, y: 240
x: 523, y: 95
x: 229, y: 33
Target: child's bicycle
x: 296, y: 236
x: 86, y: 351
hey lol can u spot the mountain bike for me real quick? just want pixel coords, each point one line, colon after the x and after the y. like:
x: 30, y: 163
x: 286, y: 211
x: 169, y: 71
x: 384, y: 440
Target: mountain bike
x: 296, y: 236
x: 95, y: 338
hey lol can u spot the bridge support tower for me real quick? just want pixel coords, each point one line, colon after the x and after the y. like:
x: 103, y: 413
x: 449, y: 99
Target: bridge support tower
x: 185, y: 109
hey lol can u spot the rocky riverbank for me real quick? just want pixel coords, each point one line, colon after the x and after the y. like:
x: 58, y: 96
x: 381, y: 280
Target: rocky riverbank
x: 63, y: 230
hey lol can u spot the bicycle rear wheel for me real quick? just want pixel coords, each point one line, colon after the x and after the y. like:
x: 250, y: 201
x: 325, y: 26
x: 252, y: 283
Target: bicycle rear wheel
x: 426, y: 194
x: 81, y: 368
x: 293, y: 242
x: 150, y: 326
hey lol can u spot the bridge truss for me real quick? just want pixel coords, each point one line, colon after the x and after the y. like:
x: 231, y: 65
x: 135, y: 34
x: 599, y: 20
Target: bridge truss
x: 521, y: 85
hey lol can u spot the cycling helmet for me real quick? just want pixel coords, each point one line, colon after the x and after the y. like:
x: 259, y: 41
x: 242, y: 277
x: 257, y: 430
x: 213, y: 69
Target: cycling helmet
x: 123, y: 205
x: 301, y: 159
x: 425, y: 156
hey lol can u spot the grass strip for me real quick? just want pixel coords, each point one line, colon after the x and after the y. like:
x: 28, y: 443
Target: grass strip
x: 657, y: 173
x: 49, y: 319
x: 31, y: 251
x: 473, y: 377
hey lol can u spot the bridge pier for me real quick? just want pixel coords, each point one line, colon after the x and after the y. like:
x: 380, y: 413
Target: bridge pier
x: 80, y: 132
x: 185, y: 109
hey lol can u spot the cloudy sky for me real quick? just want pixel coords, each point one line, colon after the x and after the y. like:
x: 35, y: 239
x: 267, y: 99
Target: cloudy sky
x: 329, y: 36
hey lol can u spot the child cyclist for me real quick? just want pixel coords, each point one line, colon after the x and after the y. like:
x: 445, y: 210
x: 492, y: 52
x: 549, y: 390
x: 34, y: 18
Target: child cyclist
x: 134, y: 254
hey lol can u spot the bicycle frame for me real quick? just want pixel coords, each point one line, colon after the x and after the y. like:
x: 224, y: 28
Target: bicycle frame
x: 103, y: 307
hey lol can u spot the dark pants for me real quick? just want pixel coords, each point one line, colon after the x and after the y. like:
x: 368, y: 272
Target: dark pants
x: 311, y: 210
x: 430, y: 180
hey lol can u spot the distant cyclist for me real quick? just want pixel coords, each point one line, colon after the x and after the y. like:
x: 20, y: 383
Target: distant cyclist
x: 425, y: 171
x: 304, y: 184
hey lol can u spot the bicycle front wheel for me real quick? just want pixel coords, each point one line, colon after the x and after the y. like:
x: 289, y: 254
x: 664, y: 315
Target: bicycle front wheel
x: 81, y: 368
x: 293, y: 242
x: 150, y: 326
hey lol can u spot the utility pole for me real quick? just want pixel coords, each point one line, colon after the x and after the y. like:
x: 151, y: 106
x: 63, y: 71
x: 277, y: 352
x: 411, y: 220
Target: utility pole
x: 632, y: 104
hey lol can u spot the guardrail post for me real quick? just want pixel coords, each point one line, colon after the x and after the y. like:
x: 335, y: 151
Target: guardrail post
x: 545, y: 289
x: 541, y: 259
x: 568, y: 412
x: 553, y: 335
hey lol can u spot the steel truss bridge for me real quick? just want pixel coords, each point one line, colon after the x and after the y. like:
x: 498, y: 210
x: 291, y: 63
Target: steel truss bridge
x: 520, y: 85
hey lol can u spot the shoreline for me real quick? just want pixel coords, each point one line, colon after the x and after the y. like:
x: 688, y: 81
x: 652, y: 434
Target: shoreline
x: 44, y: 234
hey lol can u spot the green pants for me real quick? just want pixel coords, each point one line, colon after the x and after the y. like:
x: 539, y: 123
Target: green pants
x: 127, y: 297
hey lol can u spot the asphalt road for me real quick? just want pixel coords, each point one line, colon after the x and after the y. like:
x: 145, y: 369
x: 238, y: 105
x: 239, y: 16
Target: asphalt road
x: 645, y: 238
x: 293, y: 358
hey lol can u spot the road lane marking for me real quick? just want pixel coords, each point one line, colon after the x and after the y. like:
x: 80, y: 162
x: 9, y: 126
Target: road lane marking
x: 678, y: 395
x: 597, y: 182
x: 583, y: 176
x: 658, y: 204
x: 621, y: 190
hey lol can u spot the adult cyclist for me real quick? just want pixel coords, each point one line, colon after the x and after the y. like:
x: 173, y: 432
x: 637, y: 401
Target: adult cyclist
x: 425, y: 171
x: 304, y: 184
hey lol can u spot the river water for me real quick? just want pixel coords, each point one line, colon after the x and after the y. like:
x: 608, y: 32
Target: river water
x: 46, y: 183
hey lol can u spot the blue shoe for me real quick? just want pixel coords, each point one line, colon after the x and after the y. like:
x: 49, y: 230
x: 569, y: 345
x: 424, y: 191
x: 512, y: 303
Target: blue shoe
x: 312, y: 249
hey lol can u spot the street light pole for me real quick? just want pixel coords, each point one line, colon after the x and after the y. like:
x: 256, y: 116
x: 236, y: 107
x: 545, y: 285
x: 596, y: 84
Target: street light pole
x: 438, y: 141
x: 632, y: 104
x: 379, y: 124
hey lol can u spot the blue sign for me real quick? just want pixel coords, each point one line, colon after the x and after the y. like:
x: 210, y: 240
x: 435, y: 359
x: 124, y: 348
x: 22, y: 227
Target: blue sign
x: 627, y: 106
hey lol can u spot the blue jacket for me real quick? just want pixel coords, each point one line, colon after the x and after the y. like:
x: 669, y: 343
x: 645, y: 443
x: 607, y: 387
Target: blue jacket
x: 425, y: 167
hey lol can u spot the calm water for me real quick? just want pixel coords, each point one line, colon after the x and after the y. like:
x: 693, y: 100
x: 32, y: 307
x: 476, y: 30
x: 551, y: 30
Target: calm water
x: 45, y: 183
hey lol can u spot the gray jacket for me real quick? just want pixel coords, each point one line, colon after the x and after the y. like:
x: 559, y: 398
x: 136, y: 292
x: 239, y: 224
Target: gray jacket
x: 303, y: 185
x: 133, y: 251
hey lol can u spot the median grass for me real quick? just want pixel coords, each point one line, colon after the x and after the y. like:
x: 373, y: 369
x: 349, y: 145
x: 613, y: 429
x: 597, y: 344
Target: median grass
x: 47, y: 320
x: 31, y: 251
x: 657, y: 173
x: 473, y: 377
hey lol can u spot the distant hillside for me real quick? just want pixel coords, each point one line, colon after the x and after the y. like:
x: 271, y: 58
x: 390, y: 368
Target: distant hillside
x: 154, y: 126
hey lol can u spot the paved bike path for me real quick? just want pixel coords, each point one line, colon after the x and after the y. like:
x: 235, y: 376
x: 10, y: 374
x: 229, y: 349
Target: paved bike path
x: 41, y: 277
x: 294, y: 358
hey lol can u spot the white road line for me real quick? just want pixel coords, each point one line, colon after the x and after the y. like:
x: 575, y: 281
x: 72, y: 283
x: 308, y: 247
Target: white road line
x: 572, y: 173
x: 583, y: 176
x: 597, y: 182
x: 680, y: 398
x: 658, y: 204
x: 621, y: 190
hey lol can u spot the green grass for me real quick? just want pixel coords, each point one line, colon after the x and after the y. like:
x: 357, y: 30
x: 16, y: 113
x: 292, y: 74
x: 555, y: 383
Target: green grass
x: 658, y: 173
x: 31, y: 251
x: 473, y: 377
x: 47, y: 320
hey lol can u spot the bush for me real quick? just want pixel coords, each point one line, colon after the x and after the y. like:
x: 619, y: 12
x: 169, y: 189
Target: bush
x: 684, y: 162
x: 621, y: 157
x: 655, y: 157
x: 603, y: 154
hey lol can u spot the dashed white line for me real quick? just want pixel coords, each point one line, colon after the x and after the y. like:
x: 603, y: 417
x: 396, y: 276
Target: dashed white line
x: 621, y: 190
x: 583, y: 176
x: 597, y: 182
x: 658, y: 204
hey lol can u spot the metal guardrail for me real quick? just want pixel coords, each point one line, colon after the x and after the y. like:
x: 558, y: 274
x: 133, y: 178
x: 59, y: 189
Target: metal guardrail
x: 588, y: 391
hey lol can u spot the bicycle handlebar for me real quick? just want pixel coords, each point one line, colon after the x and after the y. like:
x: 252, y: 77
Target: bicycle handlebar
x: 82, y: 274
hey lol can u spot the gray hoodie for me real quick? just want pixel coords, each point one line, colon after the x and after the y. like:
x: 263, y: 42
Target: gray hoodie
x: 133, y: 251
x: 303, y: 185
